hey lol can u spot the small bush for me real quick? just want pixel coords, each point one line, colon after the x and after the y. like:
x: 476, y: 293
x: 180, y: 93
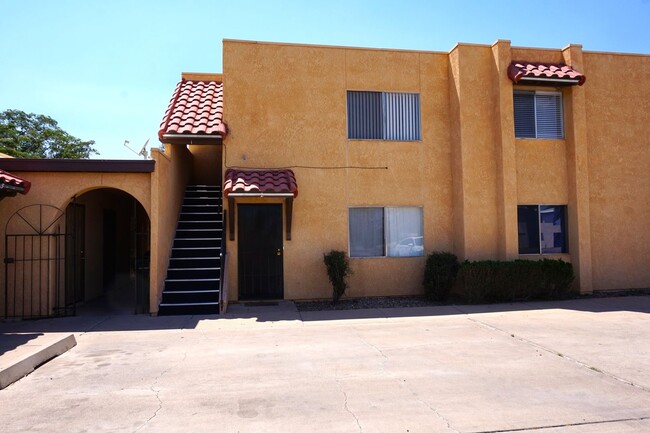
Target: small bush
x: 505, y: 281
x: 338, y: 268
x: 440, y: 275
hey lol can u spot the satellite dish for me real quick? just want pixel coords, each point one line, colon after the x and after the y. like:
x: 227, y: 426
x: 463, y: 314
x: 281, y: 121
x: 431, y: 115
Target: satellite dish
x: 143, y: 150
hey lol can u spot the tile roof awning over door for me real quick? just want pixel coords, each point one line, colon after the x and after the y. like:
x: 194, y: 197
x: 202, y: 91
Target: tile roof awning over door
x: 260, y: 183
x: 544, y: 74
x: 10, y: 185
x: 195, y: 113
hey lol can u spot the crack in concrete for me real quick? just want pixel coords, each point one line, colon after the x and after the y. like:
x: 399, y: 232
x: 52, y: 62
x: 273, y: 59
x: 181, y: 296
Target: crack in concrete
x: 402, y: 383
x: 155, y: 413
x: 345, y: 406
x: 95, y: 326
x: 434, y: 410
x: 577, y: 424
x: 156, y: 392
x: 561, y: 355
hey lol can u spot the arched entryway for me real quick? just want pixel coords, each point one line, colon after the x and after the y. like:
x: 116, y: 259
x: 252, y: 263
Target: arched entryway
x: 108, y: 262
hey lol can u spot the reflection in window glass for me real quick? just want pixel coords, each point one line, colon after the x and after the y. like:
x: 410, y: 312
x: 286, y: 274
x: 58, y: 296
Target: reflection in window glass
x: 404, y: 231
x: 552, y: 229
x: 542, y: 229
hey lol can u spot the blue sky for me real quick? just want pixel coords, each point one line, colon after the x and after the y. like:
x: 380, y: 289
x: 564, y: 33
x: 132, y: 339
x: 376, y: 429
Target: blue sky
x: 105, y: 70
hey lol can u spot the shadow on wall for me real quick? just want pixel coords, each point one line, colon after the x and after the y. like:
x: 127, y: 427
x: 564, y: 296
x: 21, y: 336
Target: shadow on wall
x: 113, y: 253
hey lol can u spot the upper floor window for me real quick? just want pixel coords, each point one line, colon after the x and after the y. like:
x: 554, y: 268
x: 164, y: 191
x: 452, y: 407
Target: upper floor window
x: 538, y: 114
x: 542, y: 229
x: 383, y: 116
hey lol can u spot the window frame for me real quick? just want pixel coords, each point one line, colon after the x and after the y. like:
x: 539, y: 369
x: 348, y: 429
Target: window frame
x: 564, y: 226
x: 536, y: 117
x: 386, y: 242
x: 388, y: 111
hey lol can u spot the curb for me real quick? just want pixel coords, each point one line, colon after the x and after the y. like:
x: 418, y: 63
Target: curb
x: 25, y: 365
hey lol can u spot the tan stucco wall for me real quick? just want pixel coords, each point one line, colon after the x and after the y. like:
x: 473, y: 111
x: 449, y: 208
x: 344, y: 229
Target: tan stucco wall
x: 168, y: 181
x: 541, y: 172
x: 58, y: 188
x: 475, y: 158
x: 618, y: 115
x: 286, y: 107
x: 300, y: 119
x: 206, y: 164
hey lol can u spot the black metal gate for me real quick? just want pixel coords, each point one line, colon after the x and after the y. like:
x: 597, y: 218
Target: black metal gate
x: 260, y: 251
x: 35, y: 264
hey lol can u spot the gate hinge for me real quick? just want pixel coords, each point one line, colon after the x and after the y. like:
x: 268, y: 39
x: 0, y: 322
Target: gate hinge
x: 9, y: 260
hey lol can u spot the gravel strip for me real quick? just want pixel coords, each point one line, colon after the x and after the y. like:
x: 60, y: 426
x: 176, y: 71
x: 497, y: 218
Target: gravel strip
x: 421, y: 301
x: 360, y: 303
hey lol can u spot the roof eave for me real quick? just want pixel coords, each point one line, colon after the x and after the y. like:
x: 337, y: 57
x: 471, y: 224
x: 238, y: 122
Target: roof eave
x: 7, y: 189
x: 559, y: 81
x: 191, y: 139
x: 260, y: 194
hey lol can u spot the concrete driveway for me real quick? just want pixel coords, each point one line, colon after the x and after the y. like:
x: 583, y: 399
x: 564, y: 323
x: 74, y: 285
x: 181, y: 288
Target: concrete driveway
x: 571, y: 367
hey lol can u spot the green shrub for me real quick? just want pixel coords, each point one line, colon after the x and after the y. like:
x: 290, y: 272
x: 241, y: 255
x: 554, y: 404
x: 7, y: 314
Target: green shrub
x: 505, y: 281
x: 338, y: 268
x: 440, y: 275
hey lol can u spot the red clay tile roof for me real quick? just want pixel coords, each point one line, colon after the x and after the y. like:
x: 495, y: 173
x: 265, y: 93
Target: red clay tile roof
x: 196, y: 108
x: 260, y: 181
x: 529, y: 71
x: 14, y: 183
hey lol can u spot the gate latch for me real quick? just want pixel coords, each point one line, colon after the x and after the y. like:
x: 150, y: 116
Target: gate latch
x: 9, y: 260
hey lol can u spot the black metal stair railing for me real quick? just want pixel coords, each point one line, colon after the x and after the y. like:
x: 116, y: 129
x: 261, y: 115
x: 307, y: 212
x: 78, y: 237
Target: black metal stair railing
x: 223, y: 261
x: 194, y: 275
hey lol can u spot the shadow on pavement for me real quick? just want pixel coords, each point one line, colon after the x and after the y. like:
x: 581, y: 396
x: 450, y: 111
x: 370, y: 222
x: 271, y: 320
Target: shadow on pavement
x: 287, y: 311
x: 9, y: 342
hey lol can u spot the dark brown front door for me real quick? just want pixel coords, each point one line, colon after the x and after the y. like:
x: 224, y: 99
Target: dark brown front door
x: 259, y: 234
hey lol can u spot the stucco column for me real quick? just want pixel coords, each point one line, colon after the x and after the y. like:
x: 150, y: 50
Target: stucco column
x: 474, y: 139
x: 506, y: 154
x: 456, y: 155
x: 578, y: 173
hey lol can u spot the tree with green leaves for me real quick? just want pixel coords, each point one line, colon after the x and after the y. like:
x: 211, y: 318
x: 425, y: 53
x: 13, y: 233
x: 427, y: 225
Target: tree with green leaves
x: 31, y: 135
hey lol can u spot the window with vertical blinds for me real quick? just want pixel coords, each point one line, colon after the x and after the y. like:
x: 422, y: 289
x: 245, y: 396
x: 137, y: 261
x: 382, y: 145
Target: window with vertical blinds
x: 538, y: 114
x: 386, y: 231
x: 383, y: 116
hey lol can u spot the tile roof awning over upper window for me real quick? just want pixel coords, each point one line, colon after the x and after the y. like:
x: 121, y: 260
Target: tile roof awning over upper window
x: 260, y: 183
x: 195, y: 112
x: 544, y: 74
x: 10, y: 185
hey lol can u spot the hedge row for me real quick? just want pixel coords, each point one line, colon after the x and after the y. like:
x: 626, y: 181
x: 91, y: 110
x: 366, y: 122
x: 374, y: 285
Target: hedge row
x: 497, y: 281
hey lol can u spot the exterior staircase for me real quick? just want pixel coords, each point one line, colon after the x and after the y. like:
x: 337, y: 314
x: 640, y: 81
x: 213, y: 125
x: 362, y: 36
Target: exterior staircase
x: 194, y: 273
